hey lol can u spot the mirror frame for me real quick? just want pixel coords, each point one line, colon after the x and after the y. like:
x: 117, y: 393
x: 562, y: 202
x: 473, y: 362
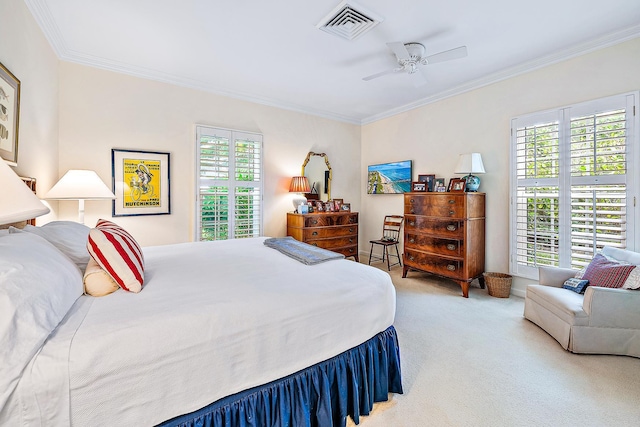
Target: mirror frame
x: 326, y: 160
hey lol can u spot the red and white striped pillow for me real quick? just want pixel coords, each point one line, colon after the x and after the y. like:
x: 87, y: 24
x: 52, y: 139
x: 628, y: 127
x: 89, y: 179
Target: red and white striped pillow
x: 118, y: 253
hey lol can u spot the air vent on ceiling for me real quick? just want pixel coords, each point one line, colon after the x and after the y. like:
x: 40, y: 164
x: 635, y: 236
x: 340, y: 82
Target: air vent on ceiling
x: 349, y: 20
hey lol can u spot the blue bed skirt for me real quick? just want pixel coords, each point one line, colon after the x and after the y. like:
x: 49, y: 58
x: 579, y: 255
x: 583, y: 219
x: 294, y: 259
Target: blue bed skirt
x: 319, y: 396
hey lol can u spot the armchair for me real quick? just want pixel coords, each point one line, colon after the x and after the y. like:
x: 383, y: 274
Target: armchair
x: 602, y: 321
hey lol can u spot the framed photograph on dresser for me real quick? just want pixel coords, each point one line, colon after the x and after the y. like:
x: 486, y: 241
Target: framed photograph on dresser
x: 457, y: 185
x: 428, y: 179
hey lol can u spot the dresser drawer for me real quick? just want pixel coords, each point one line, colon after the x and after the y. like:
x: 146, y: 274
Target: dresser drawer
x: 439, y: 205
x: 434, y: 245
x: 324, y: 220
x: 336, y: 242
x: 333, y: 231
x: 434, y: 264
x: 448, y: 228
x: 347, y: 251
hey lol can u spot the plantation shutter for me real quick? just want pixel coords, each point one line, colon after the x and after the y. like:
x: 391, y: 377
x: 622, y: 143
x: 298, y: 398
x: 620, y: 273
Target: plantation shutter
x: 537, y: 199
x: 572, y: 192
x: 229, y: 184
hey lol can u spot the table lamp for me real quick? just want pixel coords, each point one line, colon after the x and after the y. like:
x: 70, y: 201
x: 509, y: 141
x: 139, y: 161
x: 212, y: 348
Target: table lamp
x: 300, y: 185
x: 470, y: 164
x: 80, y: 185
x: 17, y: 201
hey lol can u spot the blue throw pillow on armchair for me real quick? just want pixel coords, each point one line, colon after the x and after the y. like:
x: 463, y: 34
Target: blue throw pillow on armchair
x: 576, y: 285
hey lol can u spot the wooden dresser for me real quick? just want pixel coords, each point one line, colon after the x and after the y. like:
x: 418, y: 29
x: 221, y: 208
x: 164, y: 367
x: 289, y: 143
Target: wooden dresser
x: 335, y: 231
x: 444, y: 235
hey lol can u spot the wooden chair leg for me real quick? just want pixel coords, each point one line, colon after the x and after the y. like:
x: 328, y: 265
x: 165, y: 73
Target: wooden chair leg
x: 398, y: 254
x: 370, y: 253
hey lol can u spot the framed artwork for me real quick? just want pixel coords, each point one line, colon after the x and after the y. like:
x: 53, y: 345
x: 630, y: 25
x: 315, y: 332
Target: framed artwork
x: 457, y: 185
x: 345, y: 207
x: 418, y: 186
x: 429, y: 179
x: 389, y: 178
x: 140, y: 181
x: 9, y: 115
x: 337, y: 203
x: 439, y: 185
x: 319, y: 206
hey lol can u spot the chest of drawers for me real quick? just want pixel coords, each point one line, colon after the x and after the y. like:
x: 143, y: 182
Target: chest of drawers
x: 335, y: 231
x: 444, y: 234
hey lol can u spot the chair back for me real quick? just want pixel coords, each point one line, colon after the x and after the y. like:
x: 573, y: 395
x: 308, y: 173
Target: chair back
x: 391, y: 228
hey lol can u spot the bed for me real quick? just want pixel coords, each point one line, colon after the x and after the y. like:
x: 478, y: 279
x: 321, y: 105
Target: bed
x: 223, y: 333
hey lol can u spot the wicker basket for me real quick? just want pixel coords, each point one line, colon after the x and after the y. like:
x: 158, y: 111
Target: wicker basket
x: 498, y: 284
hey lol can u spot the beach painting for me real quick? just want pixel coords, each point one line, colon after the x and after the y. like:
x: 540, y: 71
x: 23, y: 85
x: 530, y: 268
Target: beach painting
x: 389, y: 178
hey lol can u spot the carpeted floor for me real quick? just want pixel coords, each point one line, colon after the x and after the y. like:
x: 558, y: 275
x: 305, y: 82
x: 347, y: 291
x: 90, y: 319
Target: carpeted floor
x: 478, y: 362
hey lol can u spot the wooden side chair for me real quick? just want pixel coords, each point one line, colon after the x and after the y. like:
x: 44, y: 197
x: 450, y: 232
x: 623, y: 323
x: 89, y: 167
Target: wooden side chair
x: 390, y: 237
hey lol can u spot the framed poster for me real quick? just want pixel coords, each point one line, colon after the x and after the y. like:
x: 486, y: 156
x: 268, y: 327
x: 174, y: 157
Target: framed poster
x: 9, y: 115
x: 140, y: 180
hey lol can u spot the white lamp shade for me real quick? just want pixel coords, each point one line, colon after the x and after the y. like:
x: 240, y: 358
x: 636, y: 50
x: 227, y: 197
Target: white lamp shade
x: 470, y: 163
x: 80, y: 185
x: 17, y: 201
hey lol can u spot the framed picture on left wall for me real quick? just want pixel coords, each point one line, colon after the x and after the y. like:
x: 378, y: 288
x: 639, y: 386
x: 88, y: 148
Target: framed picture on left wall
x: 141, y: 182
x: 9, y: 115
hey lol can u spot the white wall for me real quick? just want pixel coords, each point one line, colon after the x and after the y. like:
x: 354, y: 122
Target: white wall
x: 479, y: 121
x: 101, y: 110
x: 26, y: 53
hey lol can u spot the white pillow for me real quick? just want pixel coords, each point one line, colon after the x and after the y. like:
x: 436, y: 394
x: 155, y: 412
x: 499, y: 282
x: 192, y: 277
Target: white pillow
x: 68, y: 236
x: 38, y: 286
x: 97, y: 282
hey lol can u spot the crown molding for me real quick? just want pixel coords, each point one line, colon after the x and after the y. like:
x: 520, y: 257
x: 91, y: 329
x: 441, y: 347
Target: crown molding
x: 43, y: 17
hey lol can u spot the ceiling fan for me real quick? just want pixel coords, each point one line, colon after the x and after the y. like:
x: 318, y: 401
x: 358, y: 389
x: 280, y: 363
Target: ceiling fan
x: 411, y: 55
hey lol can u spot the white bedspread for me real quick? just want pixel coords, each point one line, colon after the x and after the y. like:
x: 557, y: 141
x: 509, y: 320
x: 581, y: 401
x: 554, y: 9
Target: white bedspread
x: 213, y: 319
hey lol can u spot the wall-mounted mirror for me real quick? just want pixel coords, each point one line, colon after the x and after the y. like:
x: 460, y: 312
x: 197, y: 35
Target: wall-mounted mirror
x: 317, y: 169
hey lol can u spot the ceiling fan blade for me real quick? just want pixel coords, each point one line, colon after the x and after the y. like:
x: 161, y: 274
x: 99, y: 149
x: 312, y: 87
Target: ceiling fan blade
x: 447, y: 55
x: 399, y: 50
x: 417, y: 78
x: 383, y: 73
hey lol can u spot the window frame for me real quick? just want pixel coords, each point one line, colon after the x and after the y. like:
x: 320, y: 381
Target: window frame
x: 564, y: 181
x: 233, y: 135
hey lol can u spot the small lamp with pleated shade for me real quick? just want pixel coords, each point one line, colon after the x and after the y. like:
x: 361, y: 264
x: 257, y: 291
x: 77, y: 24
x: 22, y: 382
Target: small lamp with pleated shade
x: 300, y: 185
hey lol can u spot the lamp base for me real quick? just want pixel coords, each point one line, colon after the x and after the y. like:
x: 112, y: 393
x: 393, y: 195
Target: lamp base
x: 473, y: 183
x: 297, y: 201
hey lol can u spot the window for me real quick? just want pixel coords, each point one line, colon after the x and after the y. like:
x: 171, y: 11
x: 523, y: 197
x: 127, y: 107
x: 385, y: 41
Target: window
x: 573, y: 183
x: 229, y: 184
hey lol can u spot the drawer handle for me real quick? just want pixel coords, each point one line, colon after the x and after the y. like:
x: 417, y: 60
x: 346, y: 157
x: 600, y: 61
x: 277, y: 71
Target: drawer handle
x: 314, y: 221
x: 351, y: 240
x: 451, y: 267
x: 315, y: 233
x: 412, y: 210
x: 451, y: 247
x: 451, y: 227
x: 351, y: 230
x: 412, y: 240
x: 412, y: 223
x: 351, y: 250
x: 314, y: 244
x: 451, y: 212
x: 411, y: 257
x: 411, y: 201
x: 352, y: 220
x: 451, y: 202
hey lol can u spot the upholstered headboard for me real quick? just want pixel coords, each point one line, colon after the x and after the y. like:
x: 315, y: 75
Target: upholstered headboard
x: 31, y: 183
